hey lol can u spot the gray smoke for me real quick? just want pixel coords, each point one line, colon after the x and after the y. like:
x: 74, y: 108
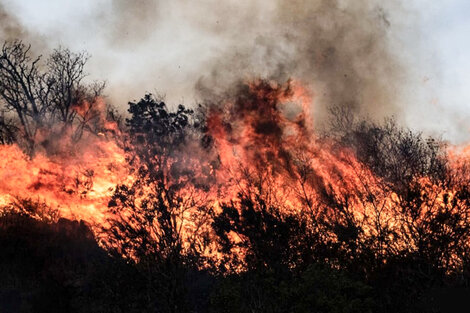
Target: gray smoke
x: 193, y: 50
x: 131, y: 22
x: 10, y: 28
x: 341, y: 49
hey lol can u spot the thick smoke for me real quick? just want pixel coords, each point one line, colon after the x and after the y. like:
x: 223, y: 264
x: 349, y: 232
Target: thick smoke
x: 10, y: 28
x: 132, y: 22
x: 344, y: 47
x: 340, y: 49
x: 196, y: 50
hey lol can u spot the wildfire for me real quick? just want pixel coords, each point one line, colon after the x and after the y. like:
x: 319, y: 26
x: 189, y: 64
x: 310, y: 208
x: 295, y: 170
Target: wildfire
x: 266, y: 148
x: 78, y: 183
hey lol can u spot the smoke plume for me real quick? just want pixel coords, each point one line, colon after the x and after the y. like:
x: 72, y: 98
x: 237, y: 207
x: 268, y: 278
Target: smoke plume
x: 341, y: 49
x: 195, y: 51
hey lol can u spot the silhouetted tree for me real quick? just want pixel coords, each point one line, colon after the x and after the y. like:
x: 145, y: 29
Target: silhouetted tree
x: 161, y: 220
x: 8, y: 130
x: 41, y: 96
x: 416, y: 234
x: 395, y: 153
x: 266, y: 237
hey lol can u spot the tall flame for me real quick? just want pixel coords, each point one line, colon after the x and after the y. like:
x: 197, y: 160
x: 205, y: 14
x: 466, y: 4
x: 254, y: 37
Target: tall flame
x: 267, y: 147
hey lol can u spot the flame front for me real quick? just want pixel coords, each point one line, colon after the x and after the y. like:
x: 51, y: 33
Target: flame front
x: 266, y: 148
x: 79, y: 184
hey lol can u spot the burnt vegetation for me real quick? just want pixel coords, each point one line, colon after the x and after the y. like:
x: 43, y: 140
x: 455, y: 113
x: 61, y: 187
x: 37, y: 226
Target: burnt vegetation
x: 406, y: 252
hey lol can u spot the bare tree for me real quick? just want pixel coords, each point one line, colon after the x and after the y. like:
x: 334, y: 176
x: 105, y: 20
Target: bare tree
x: 65, y: 75
x: 39, y: 96
x: 8, y: 130
x: 23, y: 88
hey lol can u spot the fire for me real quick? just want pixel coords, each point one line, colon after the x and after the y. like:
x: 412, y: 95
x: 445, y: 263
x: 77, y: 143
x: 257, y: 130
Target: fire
x: 269, y: 140
x: 266, y: 148
x: 78, y: 184
x: 274, y: 154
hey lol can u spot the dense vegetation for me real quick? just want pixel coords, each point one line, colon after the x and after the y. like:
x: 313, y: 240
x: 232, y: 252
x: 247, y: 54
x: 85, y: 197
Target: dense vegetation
x: 291, y: 262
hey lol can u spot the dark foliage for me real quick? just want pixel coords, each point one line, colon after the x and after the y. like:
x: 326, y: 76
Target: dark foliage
x: 58, y: 267
x: 269, y: 239
x: 317, y: 289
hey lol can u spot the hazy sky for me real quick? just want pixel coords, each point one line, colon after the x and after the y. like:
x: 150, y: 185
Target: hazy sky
x: 444, y: 29
x: 167, y: 45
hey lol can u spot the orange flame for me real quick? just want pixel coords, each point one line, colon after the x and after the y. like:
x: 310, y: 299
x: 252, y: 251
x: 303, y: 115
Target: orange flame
x: 267, y: 146
x: 79, y: 184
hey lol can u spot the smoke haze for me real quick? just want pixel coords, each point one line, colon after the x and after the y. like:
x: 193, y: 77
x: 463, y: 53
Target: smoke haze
x: 347, y: 52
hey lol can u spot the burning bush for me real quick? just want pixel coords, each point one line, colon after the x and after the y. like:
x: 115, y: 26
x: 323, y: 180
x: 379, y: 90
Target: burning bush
x: 241, y: 190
